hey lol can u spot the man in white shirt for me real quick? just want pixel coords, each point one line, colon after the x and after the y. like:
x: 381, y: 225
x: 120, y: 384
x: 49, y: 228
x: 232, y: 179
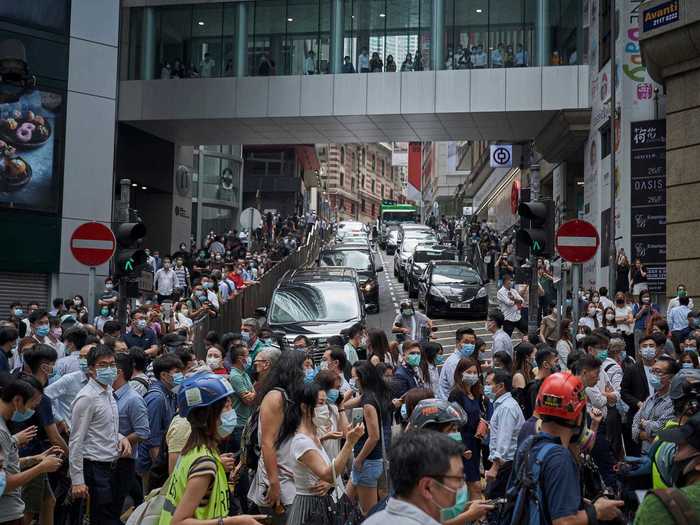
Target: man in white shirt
x: 510, y: 302
x: 165, y: 281
x: 355, y: 333
x: 680, y: 292
x: 95, y: 442
x: 465, y: 344
x: 310, y: 64
x: 363, y: 61
x: 64, y: 391
x: 206, y: 67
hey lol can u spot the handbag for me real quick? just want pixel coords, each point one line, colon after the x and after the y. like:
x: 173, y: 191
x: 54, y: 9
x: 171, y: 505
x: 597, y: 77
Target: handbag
x: 481, y: 429
x: 148, y: 513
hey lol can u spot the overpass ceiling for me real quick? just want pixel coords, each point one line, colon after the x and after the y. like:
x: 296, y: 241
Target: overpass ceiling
x: 506, y: 104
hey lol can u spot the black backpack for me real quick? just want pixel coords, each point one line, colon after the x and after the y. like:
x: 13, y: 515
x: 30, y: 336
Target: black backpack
x: 250, y: 446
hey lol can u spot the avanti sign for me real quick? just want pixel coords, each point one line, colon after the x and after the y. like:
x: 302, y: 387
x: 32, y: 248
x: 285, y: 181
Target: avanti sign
x: 661, y: 15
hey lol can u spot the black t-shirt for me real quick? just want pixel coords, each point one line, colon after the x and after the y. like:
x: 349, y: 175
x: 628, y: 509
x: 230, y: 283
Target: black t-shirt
x: 376, y: 453
x: 43, y: 417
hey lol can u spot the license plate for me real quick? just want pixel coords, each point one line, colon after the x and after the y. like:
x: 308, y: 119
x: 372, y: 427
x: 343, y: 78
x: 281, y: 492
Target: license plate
x: 460, y: 305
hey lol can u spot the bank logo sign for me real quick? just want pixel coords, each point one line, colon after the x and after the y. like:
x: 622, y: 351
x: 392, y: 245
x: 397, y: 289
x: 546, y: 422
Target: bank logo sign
x: 501, y: 155
x: 661, y: 15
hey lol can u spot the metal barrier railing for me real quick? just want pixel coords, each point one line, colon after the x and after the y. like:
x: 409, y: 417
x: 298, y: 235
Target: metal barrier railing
x: 244, y: 304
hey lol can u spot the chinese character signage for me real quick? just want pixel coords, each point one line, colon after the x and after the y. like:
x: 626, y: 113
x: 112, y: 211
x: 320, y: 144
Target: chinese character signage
x: 648, y: 199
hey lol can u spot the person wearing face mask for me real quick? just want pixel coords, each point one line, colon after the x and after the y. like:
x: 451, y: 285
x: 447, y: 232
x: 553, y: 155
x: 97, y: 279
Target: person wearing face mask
x: 314, y: 471
x: 590, y: 319
x: 209, y: 289
x: 161, y: 405
x: 658, y: 506
x: 657, y: 409
x: 546, y: 458
x: 8, y: 339
x: 413, y: 325
x: 109, y: 296
x: 95, y: 441
x: 215, y: 360
x: 407, y: 375
x: 681, y: 291
x: 468, y: 394
x: 331, y: 429
x: 465, y: 345
x: 165, y: 281
x: 140, y: 335
x: 39, y: 326
x: 133, y: 425
x: 198, y: 487
x: 504, y: 426
x: 643, y: 311
x: 18, y: 401
x: 428, y: 480
x: 249, y: 335
x: 104, y: 314
x: 64, y: 391
x: 624, y: 321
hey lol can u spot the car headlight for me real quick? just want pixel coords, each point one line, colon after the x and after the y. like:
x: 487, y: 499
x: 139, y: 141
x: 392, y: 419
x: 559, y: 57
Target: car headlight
x: 481, y: 293
x: 437, y: 293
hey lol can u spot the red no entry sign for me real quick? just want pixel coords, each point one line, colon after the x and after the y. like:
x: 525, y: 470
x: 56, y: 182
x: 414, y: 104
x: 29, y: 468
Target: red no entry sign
x: 577, y: 241
x: 92, y: 244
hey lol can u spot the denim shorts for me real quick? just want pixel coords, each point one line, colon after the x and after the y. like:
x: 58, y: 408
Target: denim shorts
x: 368, y: 476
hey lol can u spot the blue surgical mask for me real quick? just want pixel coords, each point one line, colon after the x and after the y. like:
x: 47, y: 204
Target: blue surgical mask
x: 413, y: 359
x: 83, y: 364
x: 245, y: 337
x: 42, y: 330
x: 332, y: 395
x: 461, y: 499
x: 648, y: 352
x: 178, y: 378
x: 439, y: 359
x: 3, y: 482
x: 467, y: 349
x: 19, y: 312
x: 407, y: 312
x: 106, y: 376
x: 456, y: 436
x: 602, y: 355
x: 687, y: 365
x: 404, y: 412
x: 227, y: 422
x: 141, y: 324
x: 21, y: 417
x: 488, y: 392
x: 309, y: 376
x: 267, y: 341
x: 655, y: 381
x: 623, y: 355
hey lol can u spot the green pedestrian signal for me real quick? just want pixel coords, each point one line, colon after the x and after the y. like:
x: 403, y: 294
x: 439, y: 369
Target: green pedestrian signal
x: 130, y: 258
x: 537, y: 237
x: 129, y: 266
x: 536, y: 248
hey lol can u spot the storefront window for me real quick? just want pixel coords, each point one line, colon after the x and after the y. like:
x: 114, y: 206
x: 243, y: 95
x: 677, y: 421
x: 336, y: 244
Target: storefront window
x: 220, y: 178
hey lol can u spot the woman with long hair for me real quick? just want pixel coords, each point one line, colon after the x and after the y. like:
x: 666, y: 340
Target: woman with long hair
x: 331, y: 427
x: 565, y: 345
x: 197, y: 490
x: 609, y: 322
x: 431, y: 358
x: 468, y: 393
x: 368, y: 463
x: 523, y: 375
x: 314, y: 471
x: 272, y: 488
x: 642, y: 311
x: 378, y: 345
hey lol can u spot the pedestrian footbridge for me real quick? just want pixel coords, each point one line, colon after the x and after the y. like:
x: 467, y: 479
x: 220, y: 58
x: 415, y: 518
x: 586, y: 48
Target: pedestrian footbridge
x: 508, y: 104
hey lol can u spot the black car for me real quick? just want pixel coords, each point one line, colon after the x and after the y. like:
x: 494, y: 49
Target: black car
x: 422, y: 255
x: 318, y: 303
x: 362, y: 260
x: 452, y: 288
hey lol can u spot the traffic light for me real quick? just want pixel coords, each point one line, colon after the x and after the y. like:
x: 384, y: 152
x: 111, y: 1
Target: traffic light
x: 538, y: 238
x: 130, y: 257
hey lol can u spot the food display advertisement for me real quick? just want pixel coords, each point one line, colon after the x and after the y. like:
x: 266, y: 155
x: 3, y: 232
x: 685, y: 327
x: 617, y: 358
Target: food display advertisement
x: 30, y: 123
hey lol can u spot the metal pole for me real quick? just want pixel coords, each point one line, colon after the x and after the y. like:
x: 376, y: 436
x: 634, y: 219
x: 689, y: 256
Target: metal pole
x: 337, y: 36
x: 123, y: 216
x: 438, y: 34
x: 542, y: 33
x: 612, y: 270
x: 148, y: 42
x: 91, y: 289
x: 534, y: 296
x: 575, y: 285
x: 241, y: 64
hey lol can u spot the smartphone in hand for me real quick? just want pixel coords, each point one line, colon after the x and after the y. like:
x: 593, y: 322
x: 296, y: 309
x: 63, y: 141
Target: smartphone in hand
x: 357, y: 416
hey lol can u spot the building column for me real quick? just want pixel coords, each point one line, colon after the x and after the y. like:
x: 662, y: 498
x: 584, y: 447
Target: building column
x: 337, y: 35
x: 671, y: 57
x: 241, y: 51
x: 438, y: 35
x: 148, y: 44
x: 543, y: 42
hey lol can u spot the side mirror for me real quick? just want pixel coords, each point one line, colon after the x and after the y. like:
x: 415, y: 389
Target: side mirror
x: 379, y: 269
x: 261, y: 311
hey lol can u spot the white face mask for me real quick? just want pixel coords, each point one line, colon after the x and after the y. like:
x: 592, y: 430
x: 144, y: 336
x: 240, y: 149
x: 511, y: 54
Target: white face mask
x: 214, y: 363
x: 610, y: 316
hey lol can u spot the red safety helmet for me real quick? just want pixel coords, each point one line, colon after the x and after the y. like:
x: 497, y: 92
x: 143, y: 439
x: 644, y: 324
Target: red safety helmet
x: 561, y: 395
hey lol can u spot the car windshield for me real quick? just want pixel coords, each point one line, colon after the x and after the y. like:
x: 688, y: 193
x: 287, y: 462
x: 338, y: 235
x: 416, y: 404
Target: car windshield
x: 357, y: 259
x: 408, y: 245
x: 435, y: 255
x: 452, y: 273
x: 323, y: 301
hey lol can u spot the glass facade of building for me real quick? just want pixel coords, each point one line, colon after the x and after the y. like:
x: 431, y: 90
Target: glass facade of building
x: 295, y: 37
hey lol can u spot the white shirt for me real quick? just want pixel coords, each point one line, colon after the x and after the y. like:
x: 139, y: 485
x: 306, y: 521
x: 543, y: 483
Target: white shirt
x: 505, y: 423
x: 587, y: 321
x: 674, y: 302
x: 506, y: 303
x: 502, y: 342
x: 63, y: 392
x: 447, y: 376
x: 606, y: 303
x: 165, y: 281
x: 206, y: 68
x: 95, y: 429
x: 623, y: 313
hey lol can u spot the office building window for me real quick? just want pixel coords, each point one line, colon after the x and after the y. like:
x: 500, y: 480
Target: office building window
x: 604, y: 14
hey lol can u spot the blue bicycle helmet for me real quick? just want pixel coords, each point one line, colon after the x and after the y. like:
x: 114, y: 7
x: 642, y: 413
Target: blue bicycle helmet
x: 201, y: 390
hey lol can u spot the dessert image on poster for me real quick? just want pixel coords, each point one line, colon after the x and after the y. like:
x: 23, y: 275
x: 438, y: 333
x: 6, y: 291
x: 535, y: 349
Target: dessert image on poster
x: 27, y: 150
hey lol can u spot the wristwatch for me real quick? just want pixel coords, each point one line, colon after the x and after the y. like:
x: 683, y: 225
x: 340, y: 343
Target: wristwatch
x: 591, y: 513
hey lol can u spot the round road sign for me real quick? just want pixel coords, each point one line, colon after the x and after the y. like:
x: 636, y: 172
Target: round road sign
x: 577, y: 241
x: 92, y: 244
